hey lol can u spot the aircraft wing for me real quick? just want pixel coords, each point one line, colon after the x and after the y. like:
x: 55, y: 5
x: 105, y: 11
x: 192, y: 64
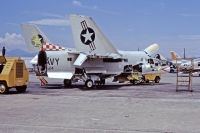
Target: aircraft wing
x: 60, y: 75
x: 82, y: 57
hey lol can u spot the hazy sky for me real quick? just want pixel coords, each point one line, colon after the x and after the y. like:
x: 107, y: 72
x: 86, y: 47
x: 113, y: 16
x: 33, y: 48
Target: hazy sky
x: 129, y: 24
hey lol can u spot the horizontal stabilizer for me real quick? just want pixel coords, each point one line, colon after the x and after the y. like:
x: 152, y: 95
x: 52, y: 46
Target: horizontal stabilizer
x: 34, y: 60
x: 60, y: 75
x: 80, y: 60
x: 160, y: 57
x: 152, y: 49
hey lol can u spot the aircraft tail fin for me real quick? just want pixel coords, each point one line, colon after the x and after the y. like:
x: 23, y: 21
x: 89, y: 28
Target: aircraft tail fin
x: 35, y: 39
x: 152, y: 49
x: 88, y: 37
x: 174, y: 55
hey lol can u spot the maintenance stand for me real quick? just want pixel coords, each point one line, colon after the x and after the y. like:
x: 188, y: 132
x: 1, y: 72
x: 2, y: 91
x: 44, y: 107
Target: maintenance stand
x: 184, y: 74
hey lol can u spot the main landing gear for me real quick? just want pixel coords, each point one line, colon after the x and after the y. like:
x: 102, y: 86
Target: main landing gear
x: 90, y: 80
x: 89, y: 83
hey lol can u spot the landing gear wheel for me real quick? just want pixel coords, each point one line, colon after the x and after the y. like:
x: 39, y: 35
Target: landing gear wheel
x: 133, y: 82
x: 89, y: 84
x: 171, y: 71
x: 3, y: 88
x: 103, y: 81
x: 21, y: 89
x: 157, y: 79
x: 67, y: 82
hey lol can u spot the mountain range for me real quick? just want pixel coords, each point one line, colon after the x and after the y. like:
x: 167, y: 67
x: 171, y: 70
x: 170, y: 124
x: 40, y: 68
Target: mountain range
x: 20, y: 53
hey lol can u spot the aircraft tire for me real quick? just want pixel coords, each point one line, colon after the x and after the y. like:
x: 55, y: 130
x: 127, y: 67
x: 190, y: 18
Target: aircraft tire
x: 67, y: 82
x: 103, y: 81
x: 171, y: 71
x: 89, y: 84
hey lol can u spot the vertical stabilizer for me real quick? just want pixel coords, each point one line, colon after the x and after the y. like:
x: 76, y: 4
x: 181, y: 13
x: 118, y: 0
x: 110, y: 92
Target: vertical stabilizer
x: 33, y: 36
x: 88, y: 37
x: 174, y: 55
x: 152, y: 49
x: 35, y: 39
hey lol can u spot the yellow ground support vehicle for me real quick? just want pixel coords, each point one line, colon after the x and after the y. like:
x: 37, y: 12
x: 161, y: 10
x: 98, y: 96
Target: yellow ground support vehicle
x: 155, y: 77
x: 137, y: 77
x: 13, y: 74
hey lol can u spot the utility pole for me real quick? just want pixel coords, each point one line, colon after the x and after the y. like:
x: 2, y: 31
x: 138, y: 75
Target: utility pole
x: 184, y: 53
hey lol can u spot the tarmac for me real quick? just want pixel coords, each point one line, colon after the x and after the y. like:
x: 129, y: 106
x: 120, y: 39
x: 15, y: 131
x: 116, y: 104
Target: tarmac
x: 113, y: 108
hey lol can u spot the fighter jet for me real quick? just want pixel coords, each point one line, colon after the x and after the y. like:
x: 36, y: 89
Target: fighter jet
x: 93, y: 60
x: 185, y: 65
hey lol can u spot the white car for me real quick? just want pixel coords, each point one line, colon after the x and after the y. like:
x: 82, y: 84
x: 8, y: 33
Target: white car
x: 196, y: 74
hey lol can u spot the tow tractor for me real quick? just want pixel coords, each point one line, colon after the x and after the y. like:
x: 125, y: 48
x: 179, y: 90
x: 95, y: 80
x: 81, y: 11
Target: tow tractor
x: 136, y: 76
x: 144, y: 78
x: 13, y: 74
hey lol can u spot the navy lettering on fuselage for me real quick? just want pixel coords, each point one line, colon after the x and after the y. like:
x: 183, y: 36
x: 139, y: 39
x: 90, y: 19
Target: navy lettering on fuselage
x: 52, y: 61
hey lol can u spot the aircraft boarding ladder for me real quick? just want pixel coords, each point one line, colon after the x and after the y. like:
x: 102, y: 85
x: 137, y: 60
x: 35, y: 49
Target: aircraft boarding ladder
x: 184, y: 77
